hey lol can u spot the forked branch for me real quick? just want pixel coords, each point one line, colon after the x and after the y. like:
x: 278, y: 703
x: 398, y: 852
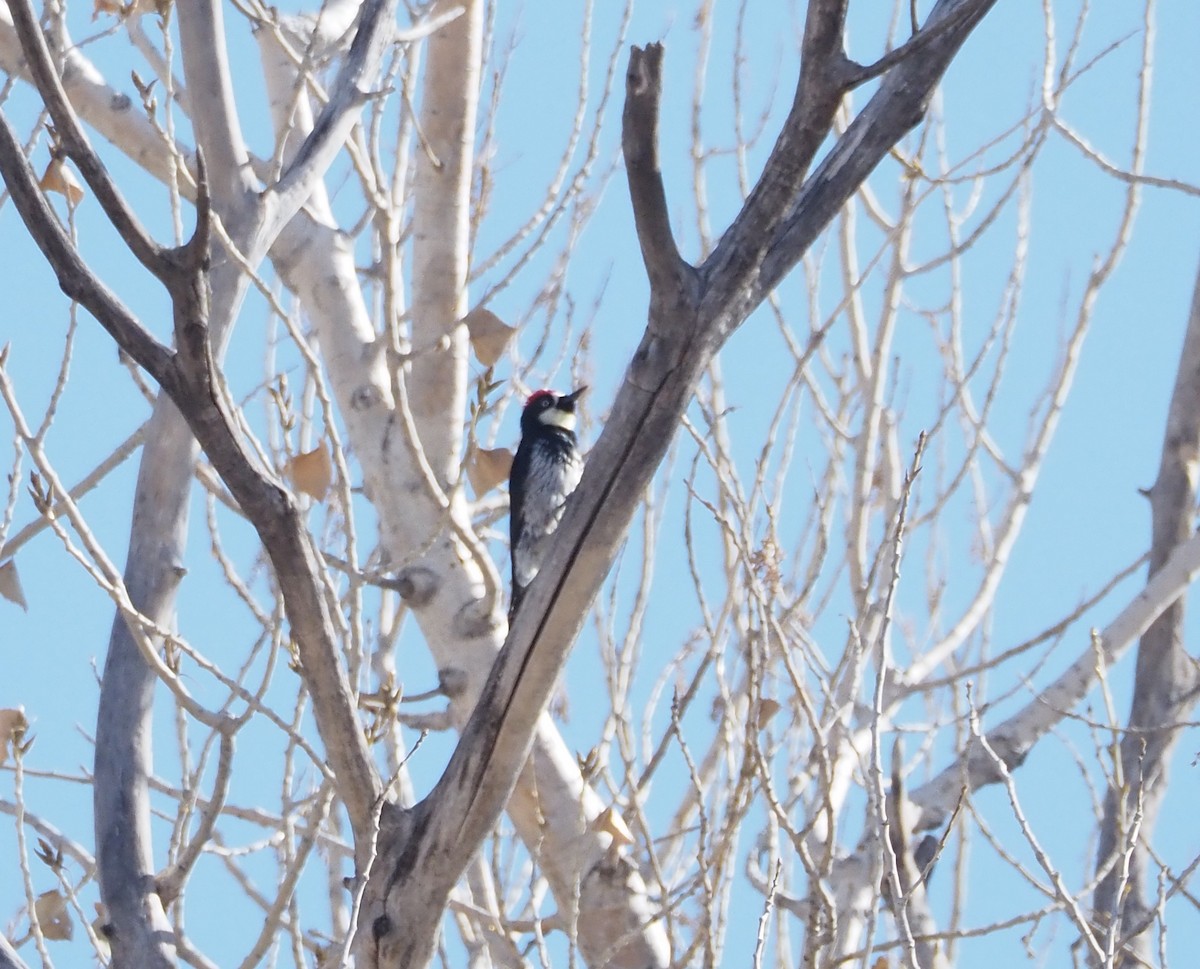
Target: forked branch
x: 639, y: 144
x: 189, y: 377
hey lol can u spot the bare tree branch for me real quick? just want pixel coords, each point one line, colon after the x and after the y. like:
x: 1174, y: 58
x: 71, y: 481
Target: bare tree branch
x: 639, y: 144
x: 1166, y: 683
x: 685, y: 329
x: 1013, y: 739
x: 8, y: 956
x: 893, y: 110
x: 360, y: 67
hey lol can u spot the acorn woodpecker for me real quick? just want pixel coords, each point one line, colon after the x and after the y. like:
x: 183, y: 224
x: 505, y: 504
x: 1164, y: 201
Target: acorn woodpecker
x: 545, y: 471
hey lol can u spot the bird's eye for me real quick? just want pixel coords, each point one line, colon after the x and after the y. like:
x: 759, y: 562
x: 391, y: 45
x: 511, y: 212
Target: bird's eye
x: 546, y: 402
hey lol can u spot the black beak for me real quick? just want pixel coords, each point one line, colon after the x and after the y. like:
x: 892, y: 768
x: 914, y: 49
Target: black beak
x: 567, y: 401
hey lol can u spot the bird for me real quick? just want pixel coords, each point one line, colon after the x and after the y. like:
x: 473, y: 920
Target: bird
x: 545, y: 471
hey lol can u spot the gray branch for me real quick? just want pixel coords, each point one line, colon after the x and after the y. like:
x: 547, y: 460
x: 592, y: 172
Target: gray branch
x: 1012, y: 740
x: 8, y: 956
x: 892, y: 112
x: 691, y: 314
x: 331, y: 127
x: 1166, y: 682
x: 639, y: 144
x: 141, y: 934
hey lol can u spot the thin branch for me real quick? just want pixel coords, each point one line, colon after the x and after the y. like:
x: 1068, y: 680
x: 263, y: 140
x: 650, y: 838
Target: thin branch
x: 120, y: 454
x: 332, y: 126
x: 73, y: 140
x: 170, y: 883
x: 919, y: 41
x: 74, y: 277
x: 1014, y: 738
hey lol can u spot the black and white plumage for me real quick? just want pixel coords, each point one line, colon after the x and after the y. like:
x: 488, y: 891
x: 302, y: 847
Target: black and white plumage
x: 545, y: 471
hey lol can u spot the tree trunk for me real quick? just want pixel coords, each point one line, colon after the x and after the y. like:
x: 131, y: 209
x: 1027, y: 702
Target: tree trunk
x: 1165, y: 686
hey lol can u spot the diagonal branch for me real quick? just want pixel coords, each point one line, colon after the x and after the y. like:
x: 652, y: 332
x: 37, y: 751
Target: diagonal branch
x: 897, y: 107
x: 349, y: 93
x: 74, y: 277
x: 189, y: 378
x: 860, y: 74
x: 75, y: 142
x: 8, y: 956
x: 1013, y: 739
x: 199, y: 394
x: 819, y: 92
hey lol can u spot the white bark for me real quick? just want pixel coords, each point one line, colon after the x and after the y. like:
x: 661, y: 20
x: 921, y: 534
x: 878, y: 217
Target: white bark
x: 763, y: 646
x: 552, y: 808
x: 437, y: 382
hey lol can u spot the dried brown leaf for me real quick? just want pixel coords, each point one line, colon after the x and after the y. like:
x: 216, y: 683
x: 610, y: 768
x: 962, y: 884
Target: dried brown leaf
x: 59, y: 178
x: 102, y: 929
x: 12, y: 726
x: 611, y: 823
x: 767, y: 708
x: 488, y: 467
x: 53, y: 916
x: 10, y: 585
x: 311, y: 472
x: 489, y: 334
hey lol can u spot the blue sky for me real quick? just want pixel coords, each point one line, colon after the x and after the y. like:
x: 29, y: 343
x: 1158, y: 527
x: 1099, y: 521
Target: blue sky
x: 1086, y: 521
